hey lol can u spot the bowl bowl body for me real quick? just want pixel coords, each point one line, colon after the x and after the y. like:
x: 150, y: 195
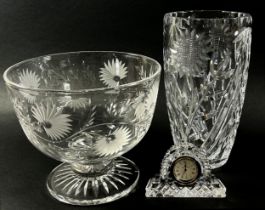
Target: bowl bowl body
x: 84, y: 107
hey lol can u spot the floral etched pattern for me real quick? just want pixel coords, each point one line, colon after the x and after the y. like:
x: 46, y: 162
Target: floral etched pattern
x: 189, y: 53
x: 75, y: 104
x: 29, y: 79
x: 55, y: 124
x: 114, y: 142
x: 113, y: 72
x: 85, y: 122
x: 151, y: 97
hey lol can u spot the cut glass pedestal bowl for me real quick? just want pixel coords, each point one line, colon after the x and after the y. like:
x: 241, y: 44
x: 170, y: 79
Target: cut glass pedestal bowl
x: 86, y: 109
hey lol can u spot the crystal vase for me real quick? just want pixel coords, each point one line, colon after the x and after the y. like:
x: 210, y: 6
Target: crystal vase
x: 206, y: 60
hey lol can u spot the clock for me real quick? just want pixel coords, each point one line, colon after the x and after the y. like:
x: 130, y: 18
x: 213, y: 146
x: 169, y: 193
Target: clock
x: 186, y: 170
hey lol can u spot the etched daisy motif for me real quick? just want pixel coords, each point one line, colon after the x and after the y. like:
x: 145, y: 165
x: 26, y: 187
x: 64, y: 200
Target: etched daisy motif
x: 75, y: 103
x: 55, y: 124
x: 113, y: 72
x: 151, y: 97
x: 29, y: 79
x: 114, y: 142
x: 189, y: 53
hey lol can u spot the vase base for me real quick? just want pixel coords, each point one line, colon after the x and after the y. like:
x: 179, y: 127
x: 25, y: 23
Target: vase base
x: 75, y: 188
x: 204, y: 188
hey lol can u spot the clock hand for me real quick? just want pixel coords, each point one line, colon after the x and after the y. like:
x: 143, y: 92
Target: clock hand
x: 182, y: 175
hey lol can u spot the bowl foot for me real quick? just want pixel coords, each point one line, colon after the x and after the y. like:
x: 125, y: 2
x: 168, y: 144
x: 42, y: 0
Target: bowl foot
x: 69, y: 186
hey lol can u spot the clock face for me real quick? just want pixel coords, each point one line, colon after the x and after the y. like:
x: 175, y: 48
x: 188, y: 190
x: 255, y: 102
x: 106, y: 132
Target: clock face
x: 186, y: 170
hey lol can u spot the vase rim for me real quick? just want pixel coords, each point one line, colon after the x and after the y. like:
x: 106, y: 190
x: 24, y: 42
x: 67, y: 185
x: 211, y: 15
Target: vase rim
x: 208, y: 15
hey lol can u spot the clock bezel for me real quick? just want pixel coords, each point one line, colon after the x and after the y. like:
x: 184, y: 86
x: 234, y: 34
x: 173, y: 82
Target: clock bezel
x: 191, y: 181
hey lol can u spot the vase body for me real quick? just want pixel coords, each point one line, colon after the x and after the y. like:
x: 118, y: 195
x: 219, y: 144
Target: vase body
x: 206, y: 60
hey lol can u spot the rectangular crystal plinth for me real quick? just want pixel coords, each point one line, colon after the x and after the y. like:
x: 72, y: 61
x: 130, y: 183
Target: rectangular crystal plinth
x: 204, y: 188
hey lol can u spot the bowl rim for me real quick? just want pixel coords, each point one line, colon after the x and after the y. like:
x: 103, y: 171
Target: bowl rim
x: 85, y: 90
x: 245, y: 15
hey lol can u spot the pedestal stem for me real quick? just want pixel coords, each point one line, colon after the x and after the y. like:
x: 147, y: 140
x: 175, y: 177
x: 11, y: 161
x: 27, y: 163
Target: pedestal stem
x: 94, y: 169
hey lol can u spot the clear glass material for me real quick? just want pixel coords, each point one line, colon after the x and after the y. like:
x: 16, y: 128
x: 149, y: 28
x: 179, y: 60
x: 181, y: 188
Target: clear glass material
x: 86, y: 109
x: 206, y: 60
